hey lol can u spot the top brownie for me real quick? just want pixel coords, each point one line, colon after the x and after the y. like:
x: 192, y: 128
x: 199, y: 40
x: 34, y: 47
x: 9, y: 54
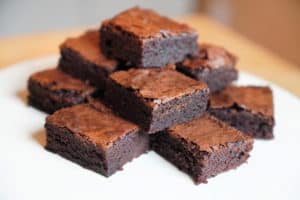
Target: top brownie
x: 156, y: 98
x: 144, y: 38
x: 82, y: 57
x: 213, y: 65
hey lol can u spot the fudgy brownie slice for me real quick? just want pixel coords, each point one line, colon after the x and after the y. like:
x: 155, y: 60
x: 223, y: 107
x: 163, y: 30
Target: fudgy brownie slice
x: 156, y: 98
x: 203, y: 147
x: 213, y: 65
x: 82, y: 58
x: 249, y: 109
x: 95, y: 138
x: 144, y: 38
x: 51, y: 89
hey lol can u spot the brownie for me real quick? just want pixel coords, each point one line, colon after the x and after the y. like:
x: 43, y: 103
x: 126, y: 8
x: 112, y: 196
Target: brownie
x: 203, y: 147
x: 51, y: 89
x: 247, y: 108
x: 213, y: 65
x: 82, y: 58
x: 156, y: 98
x: 95, y: 138
x: 144, y: 38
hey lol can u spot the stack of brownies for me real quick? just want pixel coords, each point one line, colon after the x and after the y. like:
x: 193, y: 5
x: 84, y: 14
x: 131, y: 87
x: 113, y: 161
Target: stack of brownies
x: 143, y: 82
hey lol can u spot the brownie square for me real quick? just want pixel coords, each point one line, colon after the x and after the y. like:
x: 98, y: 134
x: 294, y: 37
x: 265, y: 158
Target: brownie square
x: 144, y: 38
x: 203, y: 147
x: 249, y: 109
x: 156, y: 98
x: 93, y: 137
x: 51, y: 89
x: 213, y: 65
x: 82, y: 58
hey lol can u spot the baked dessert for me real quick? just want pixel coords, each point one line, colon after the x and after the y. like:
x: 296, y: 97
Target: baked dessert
x: 144, y: 38
x: 213, y: 65
x: 155, y: 99
x: 95, y: 138
x: 82, y: 58
x: 51, y: 89
x: 203, y: 147
x: 247, y: 108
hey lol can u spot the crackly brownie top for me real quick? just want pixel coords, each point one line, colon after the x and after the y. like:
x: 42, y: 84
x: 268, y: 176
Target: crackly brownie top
x: 210, y: 56
x: 255, y: 99
x: 144, y: 23
x: 97, y: 124
x: 54, y: 79
x: 157, y: 85
x: 208, y: 133
x: 88, y: 46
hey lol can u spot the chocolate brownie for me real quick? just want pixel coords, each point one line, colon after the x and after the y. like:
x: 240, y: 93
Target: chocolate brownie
x: 93, y: 137
x: 144, y: 38
x: 82, y: 58
x: 249, y: 109
x: 213, y: 65
x: 156, y: 98
x: 51, y: 89
x: 203, y: 147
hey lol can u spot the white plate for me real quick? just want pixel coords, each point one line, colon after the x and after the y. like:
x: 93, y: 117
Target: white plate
x: 27, y: 171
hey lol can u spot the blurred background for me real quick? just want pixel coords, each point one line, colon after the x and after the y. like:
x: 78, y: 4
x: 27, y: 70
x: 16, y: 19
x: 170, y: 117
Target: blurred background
x: 274, y: 24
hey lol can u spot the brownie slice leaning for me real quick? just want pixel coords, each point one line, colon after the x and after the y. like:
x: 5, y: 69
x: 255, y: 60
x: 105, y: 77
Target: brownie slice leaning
x: 203, y: 147
x: 144, y: 38
x: 82, y: 58
x: 51, y: 89
x: 249, y: 109
x: 213, y: 65
x: 93, y: 137
x: 155, y: 99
